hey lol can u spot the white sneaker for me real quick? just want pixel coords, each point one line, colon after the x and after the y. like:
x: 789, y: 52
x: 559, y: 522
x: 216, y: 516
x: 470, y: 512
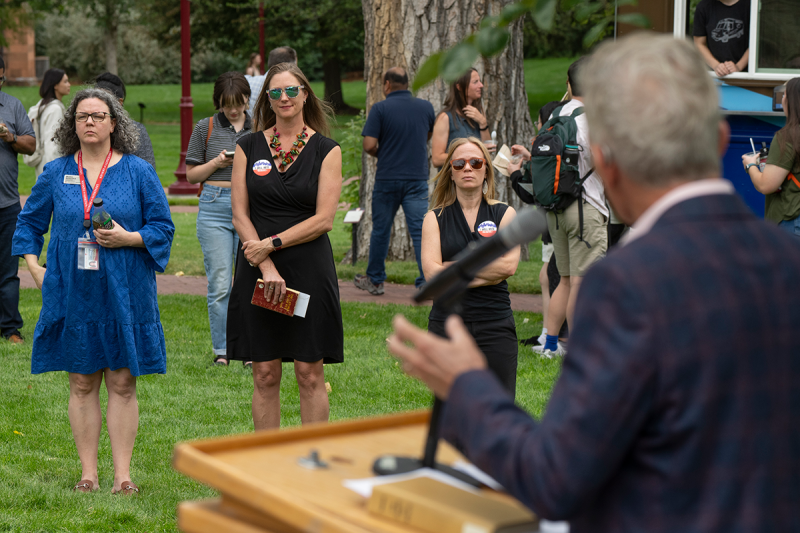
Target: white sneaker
x: 558, y: 352
x: 540, y: 349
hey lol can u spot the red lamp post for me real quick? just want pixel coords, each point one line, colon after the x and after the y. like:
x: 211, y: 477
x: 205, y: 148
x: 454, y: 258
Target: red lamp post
x: 182, y: 186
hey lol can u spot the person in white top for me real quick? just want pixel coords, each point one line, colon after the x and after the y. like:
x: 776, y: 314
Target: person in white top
x: 46, y: 116
x: 282, y: 54
x: 574, y: 255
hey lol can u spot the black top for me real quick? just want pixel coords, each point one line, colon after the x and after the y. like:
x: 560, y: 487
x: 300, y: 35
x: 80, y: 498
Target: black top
x: 479, y: 304
x: 279, y: 201
x: 727, y: 28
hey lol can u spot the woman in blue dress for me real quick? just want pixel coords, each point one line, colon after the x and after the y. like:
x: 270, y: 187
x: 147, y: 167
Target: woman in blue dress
x: 99, y: 316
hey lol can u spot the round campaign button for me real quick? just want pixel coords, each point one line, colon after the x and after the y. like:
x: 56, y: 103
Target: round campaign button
x: 487, y: 228
x: 262, y: 167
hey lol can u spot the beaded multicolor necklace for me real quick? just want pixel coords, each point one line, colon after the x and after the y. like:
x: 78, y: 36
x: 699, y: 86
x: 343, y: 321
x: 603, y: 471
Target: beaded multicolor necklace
x: 286, y: 158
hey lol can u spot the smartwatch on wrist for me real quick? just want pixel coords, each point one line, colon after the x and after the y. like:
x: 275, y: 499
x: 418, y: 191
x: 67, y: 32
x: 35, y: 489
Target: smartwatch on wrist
x: 747, y: 168
x: 15, y: 138
x: 276, y: 242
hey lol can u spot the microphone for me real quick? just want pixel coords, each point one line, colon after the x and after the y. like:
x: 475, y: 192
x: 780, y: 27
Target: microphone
x: 448, y: 285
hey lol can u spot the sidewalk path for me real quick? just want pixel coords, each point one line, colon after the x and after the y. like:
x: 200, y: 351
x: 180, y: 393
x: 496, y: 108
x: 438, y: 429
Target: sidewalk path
x: 395, y: 294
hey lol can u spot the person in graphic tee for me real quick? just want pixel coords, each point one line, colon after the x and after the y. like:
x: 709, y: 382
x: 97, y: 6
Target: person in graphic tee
x: 722, y: 34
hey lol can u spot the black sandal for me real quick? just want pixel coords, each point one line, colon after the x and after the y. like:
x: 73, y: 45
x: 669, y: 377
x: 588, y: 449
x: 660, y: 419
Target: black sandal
x: 221, y: 360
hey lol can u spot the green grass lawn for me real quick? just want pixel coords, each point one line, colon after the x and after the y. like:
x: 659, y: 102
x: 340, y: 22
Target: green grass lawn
x: 39, y: 464
x: 545, y: 81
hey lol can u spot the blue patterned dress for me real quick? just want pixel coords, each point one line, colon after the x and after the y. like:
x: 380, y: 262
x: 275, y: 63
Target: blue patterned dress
x: 107, y: 318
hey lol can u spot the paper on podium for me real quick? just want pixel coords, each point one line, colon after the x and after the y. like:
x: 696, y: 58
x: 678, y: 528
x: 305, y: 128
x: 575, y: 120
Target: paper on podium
x: 364, y: 486
x: 472, y: 470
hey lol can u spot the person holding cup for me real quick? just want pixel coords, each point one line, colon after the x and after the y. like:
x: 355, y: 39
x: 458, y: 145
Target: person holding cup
x: 779, y: 182
x: 461, y: 118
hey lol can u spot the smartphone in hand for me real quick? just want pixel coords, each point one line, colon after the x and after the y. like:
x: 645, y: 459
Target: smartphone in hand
x: 230, y: 153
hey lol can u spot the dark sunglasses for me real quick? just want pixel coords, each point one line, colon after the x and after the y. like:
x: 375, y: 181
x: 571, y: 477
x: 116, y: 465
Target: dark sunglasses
x: 291, y: 92
x: 475, y: 163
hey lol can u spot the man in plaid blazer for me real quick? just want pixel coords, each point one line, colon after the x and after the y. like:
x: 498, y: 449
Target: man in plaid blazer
x: 678, y: 404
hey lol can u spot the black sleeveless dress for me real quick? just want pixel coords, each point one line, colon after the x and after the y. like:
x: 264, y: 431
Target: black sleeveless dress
x: 486, y: 311
x: 279, y: 201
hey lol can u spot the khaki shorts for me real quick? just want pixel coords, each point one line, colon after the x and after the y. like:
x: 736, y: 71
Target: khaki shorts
x: 572, y: 255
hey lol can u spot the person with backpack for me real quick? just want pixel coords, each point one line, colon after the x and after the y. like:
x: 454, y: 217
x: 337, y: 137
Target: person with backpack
x: 549, y: 277
x: 563, y: 182
x: 209, y: 161
x: 45, y: 116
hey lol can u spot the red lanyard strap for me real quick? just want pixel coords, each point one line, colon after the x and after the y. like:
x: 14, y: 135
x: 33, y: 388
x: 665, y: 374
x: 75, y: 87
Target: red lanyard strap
x: 87, y: 204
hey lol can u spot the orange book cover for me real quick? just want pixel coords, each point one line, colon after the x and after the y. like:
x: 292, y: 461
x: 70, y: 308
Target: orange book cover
x: 286, y: 307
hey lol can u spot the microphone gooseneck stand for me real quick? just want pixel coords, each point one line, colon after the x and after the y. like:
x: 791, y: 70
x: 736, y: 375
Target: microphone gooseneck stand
x: 447, y: 289
x: 388, y: 464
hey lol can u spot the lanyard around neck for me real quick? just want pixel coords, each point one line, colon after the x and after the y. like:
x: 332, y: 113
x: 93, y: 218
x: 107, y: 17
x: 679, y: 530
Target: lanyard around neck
x: 87, y: 203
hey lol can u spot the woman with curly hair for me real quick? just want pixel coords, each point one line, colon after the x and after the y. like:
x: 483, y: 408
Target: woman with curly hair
x: 99, y: 316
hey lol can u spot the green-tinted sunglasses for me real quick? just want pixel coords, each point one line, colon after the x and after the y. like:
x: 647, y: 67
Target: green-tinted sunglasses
x: 291, y: 92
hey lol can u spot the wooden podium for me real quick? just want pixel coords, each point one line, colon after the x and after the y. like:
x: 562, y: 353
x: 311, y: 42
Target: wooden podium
x: 265, y: 490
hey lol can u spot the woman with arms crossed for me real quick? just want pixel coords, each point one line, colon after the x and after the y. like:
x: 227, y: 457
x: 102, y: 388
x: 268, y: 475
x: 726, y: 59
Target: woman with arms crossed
x: 780, y: 181
x: 286, y: 182
x: 100, y: 321
x: 464, y: 211
x: 461, y: 117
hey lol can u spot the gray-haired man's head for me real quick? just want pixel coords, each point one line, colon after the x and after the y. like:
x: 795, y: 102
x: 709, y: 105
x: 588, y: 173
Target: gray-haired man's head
x: 653, y: 109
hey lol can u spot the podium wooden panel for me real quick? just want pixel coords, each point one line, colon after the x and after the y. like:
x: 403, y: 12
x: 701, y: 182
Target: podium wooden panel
x: 265, y: 490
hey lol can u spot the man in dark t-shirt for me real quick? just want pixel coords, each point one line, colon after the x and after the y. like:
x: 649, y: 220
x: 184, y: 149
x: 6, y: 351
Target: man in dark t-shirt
x: 722, y: 34
x: 397, y: 133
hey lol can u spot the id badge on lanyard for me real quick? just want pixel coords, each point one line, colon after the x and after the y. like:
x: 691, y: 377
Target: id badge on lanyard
x: 89, y: 250
x: 88, y: 254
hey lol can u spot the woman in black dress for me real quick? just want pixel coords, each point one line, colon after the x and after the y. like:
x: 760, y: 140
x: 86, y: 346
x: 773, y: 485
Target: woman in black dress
x: 285, y: 189
x: 464, y: 211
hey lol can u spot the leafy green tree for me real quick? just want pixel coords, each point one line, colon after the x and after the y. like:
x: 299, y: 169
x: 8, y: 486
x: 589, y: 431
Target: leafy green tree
x: 19, y: 14
x: 493, y: 35
x: 107, y: 15
x: 328, y: 35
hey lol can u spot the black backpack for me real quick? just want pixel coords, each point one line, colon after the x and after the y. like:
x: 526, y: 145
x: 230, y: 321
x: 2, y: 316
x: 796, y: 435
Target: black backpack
x: 552, y: 176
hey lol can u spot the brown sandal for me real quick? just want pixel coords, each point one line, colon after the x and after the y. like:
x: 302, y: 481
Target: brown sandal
x: 84, y: 485
x: 127, y: 488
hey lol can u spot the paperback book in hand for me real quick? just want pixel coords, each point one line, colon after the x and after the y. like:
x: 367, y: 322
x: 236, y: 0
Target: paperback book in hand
x: 295, y: 303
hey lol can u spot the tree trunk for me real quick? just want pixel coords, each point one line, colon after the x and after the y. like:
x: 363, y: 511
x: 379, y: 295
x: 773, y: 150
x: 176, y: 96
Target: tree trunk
x: 403, y: 33
x: 110, y: 38
x: 332, y: 76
